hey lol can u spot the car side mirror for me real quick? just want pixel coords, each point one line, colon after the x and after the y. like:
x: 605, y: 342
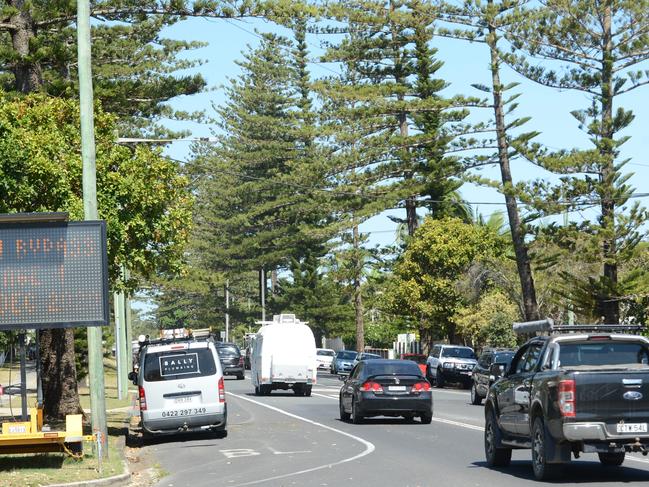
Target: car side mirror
x: 132, y: 376
x: 497, y: 370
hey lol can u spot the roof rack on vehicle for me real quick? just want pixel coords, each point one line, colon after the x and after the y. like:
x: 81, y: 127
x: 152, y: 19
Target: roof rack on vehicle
x: 547, y: 326
x: 146, y: 340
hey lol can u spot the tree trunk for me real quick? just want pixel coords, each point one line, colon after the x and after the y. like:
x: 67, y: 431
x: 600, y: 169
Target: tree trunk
x: 530, y: 304
x: 59, y: 373
x: 608, y: 304
x: 358, y: 298
x: 27, y: 73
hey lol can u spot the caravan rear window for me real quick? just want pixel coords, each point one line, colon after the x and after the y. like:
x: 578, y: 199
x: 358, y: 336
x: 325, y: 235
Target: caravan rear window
x: 178, y: 364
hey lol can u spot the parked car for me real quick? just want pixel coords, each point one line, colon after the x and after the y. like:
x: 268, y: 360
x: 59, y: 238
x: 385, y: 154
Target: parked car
x: 382, y: 387
x: 324, y: 358
x: 343, y: 362
x: 451, y: 363
x: 586, y: 390
x: 232, y: 360
x: 483, y: 375
x: 180, y: 386
x: 365, y: 356
x: 419, y: 358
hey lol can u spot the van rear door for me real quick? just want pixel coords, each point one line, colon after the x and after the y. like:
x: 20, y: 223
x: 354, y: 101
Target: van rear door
x: 181, y: 381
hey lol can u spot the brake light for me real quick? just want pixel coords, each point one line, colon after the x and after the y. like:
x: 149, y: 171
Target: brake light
x: 221, y: 390
x: 178, y: 347
x: 420, y: 387
x: 567, y: 394
x: 599, y: 337
x: 371, y: 386
x: 142, y: 398
x: 241, y: 361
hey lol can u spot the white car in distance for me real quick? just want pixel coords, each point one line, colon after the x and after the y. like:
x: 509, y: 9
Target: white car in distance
x: 324, y: 358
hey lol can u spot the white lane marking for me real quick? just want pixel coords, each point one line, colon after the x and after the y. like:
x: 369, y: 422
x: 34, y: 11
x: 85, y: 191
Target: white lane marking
x: 325, y: 396
x: 369, y: 447
x: 277, y: 452
x: 239, y: 452
x: 457, y: 393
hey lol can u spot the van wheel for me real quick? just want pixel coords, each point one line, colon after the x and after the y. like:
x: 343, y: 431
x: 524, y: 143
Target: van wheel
x: 307, y: 391
x: 265, y: 389
x: 426, y: 418
x: 298, y: 390
x: 240, y: 377
x: 257, y: 392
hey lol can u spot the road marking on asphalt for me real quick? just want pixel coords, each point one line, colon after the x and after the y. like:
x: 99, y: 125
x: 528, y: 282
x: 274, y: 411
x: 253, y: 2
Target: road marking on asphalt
x: 324, y: 395
x: 277, y: 452
x: 369, y: 447
x: 239, y: 452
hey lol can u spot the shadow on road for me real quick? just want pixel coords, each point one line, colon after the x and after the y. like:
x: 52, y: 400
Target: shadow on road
x: 577, y: 472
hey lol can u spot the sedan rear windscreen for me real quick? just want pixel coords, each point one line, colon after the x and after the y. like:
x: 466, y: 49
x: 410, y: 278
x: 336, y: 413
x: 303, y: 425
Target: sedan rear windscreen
x: 396, y: 368
x: 174, y: 364
x: 605, y: 353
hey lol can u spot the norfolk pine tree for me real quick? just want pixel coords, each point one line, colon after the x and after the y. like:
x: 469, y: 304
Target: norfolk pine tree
x: 481, y: 22
x: 594, y: 47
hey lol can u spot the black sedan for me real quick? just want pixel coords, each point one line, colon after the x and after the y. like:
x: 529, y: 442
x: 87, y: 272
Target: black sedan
x: 232, y: 361
x: 386, y: 388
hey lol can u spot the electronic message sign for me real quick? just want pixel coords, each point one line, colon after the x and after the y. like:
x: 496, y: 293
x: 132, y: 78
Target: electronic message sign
x: 53, y: 275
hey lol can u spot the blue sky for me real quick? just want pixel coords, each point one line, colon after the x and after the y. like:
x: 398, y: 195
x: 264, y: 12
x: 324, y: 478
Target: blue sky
x: 464, y: 64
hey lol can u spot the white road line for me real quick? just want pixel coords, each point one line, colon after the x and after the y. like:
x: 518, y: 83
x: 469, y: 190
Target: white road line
x: 369, y: 447
x: 325, y: 396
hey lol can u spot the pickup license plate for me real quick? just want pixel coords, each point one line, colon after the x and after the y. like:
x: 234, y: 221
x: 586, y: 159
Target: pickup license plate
x: 632, y: 428
x: 397, y: 388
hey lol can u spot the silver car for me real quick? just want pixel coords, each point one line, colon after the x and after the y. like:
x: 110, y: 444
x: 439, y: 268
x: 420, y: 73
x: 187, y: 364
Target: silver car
x: 181, y: 387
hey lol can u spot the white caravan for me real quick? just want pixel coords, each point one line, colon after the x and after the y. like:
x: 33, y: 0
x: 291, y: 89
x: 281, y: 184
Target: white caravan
x: 283, y: 356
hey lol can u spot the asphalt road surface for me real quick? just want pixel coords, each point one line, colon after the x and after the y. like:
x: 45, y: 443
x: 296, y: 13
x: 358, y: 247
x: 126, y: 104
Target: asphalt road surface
x: 285, y: 440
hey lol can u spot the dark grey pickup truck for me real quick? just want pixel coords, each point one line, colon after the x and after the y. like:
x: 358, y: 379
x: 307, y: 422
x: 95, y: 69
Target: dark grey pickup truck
x: 579, y: 389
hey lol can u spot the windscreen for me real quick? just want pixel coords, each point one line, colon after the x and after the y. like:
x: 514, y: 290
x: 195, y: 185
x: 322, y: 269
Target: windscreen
x: 178, y: 364
x: 392, y: 368
x: 346, y: 355
x: 605, y: 353
x: 457, y: 352
x: 227, y: 349
x: 327, y: 353
x: 504, y: 357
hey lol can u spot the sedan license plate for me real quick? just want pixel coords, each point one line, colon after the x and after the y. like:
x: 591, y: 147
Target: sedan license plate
x: 397, y: 388
x: 632, y: 428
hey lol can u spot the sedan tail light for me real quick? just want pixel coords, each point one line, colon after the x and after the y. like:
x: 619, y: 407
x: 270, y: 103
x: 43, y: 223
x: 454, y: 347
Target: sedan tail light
x: 420, y: 387
x: 567, y: 393
x: 142, y: 398
x: 221, y: 390
x: 371, y: 386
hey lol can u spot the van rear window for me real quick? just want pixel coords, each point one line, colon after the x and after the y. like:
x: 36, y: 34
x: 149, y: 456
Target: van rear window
x: 174, y: 364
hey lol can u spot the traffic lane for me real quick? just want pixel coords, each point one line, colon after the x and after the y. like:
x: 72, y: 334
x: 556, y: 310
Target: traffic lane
x: 447, y: 450
x: 264, y: 445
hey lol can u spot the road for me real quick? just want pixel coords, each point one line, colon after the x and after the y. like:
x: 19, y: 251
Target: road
x: 284, y: 440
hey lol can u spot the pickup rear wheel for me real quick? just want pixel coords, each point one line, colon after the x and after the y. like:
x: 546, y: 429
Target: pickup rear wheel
x: 439, y: 379
x: 611, y: 459
x: 540, y: 446
x: 496, y: 455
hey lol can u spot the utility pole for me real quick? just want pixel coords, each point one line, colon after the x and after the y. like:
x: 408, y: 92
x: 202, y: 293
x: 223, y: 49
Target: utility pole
x: 95, y: 351
x: 119, y: 332
x: 262, y: 293
x: 227, y: 310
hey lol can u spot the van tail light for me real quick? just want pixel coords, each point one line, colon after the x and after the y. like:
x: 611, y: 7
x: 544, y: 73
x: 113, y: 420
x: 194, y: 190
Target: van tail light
x: 567, y: 394
x: 142, y: 398
x: 221, y: 390
x: 420, y: 387
x: 241, y: 361
x: 371, y: 386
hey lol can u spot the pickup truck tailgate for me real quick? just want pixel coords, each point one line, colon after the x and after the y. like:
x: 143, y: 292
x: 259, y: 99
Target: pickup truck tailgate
x: 612, y: 397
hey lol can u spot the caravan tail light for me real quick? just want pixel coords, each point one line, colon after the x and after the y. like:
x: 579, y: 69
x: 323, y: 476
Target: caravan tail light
x: 221, y: 390
x: 567, y: 395
x: 142, y: 398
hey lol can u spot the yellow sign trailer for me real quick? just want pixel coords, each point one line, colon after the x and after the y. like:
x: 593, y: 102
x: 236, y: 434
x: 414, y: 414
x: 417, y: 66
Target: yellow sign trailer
x: 28, y: 437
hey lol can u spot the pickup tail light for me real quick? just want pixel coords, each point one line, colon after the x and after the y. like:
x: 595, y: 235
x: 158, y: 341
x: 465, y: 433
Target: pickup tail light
x: 567, y: 396
x: 420, y: 387
x: 142, y: 398
x: 371, y: 386
x: 221, y: 390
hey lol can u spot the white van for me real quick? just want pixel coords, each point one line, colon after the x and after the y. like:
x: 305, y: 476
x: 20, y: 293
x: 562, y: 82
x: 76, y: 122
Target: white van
x: 180, y: 384
x: 283, y: 356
